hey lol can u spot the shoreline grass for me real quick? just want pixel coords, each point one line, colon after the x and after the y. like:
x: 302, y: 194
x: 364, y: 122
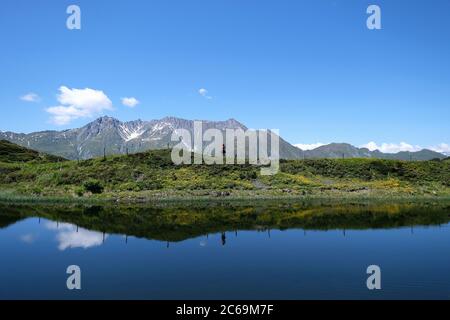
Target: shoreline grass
x: 179, y: 198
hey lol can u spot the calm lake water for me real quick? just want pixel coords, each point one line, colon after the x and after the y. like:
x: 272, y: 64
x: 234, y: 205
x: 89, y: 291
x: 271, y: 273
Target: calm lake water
x: 259, y: 251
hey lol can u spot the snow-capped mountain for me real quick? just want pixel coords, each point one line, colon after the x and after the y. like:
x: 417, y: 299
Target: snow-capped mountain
x: 111, y: 136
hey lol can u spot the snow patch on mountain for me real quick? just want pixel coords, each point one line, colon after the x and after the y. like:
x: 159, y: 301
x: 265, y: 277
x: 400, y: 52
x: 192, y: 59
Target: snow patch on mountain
x: 160, y: 126
x: 128, y: 134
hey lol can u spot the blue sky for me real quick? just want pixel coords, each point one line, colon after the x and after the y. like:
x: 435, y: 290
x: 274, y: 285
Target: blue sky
x: 309, y: 68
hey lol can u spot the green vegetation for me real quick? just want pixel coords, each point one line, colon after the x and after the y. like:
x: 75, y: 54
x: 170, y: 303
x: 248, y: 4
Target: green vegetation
x: 152, y: 176
x: 93, y: 186
x: 12, y: 153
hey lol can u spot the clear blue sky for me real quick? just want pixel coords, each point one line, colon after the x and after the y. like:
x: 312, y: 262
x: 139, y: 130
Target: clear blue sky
x: 310, y: 68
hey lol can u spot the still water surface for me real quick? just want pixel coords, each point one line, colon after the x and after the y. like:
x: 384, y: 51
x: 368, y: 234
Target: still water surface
x: 259, y: 251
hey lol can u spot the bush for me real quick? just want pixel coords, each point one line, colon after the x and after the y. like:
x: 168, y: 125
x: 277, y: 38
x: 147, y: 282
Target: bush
x: 93, y: 186
x: 36, y: 190
x: 129, y: 186
x: 150, y: 185
x: 79, y: 191
x: 247, y: 175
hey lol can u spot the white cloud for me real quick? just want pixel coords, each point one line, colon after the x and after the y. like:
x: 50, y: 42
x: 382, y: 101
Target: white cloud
x: 442, y: 148
x: 309, y: 146
x: 30, y: 97
x: 68, y: 237
x: 403, y: 146
x: 204, y: 93
x: 391, y: 147
x: 78, y: 103
x: 130, y: 102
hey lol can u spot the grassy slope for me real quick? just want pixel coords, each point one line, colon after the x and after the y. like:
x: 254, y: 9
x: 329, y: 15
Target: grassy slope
x: 13, y: 153
x: 152, y: 175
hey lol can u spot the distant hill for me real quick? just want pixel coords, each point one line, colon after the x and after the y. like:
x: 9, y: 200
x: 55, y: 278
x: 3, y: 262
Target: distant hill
x: 345, y: 150
x: 10, y: 152
x: 112, y: 136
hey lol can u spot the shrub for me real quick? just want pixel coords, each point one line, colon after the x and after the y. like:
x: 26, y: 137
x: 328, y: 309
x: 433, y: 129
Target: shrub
x: 79, y: 191
x: 36, y: 190
x: 93, y: 186
x: 150, y: 185
x: 129, y: 186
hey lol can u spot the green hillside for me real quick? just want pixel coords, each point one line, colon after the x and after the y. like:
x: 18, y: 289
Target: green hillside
x: 152, y: 175
x: 12, y: 153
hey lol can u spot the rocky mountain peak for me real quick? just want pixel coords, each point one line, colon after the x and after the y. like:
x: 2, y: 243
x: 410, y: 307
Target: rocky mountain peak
x: 108, y: 134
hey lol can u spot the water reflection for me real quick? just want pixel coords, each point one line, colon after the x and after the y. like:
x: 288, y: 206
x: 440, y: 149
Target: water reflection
x: 226, y: 251
x: 224, y: 238
x: 70, y: 236
x: 89, y: 226
x: 28, y: 238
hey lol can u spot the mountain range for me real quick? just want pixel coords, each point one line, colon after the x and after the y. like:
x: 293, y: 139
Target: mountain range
x: 107, y: 135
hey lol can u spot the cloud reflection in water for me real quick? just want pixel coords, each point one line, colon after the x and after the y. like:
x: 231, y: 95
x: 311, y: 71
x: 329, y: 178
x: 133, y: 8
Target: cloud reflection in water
x: 69, y: 237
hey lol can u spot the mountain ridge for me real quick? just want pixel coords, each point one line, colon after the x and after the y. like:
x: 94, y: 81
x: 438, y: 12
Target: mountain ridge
x: 108, y: 135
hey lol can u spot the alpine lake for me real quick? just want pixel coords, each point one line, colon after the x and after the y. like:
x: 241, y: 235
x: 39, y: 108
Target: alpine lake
x: 226, y: 250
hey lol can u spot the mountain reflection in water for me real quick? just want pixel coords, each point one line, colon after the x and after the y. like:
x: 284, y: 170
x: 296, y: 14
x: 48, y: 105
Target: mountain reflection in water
x: 87, y: 226
x: 234, y: 250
